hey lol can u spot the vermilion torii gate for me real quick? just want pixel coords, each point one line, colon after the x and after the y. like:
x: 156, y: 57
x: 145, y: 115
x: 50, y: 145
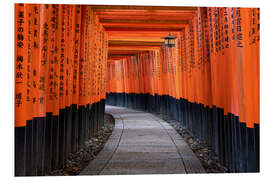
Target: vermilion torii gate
x: 68, y: 56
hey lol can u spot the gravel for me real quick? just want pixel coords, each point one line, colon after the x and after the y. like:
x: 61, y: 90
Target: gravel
x: 204, y: 152
x: 76, y: 162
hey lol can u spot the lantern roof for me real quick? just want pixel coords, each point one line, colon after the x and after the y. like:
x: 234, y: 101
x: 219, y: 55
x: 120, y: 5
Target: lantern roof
x: 169, y: 37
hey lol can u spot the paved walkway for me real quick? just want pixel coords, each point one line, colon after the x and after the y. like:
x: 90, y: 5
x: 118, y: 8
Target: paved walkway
x: 142, y: 143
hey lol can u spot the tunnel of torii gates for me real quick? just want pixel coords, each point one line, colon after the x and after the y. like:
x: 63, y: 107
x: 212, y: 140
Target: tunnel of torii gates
x: 70, y: 59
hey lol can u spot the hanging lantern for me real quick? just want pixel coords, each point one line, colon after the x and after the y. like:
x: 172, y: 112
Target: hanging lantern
x: 169, y: 40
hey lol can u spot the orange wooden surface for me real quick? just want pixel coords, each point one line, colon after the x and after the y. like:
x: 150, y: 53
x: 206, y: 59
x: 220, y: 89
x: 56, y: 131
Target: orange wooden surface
x: 75, y: 54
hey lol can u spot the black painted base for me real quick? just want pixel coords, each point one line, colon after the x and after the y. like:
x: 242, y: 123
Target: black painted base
x: 44, y: 143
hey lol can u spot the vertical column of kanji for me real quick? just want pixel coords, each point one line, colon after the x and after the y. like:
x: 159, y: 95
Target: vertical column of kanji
x: 88, y: 60
x: 206, y: 76
x: 35, y: 80
x: 206, y: 58
x: 158, y: 67
x: 220, y: 86
x: 193, y: 58
x: 92, y: 57
x: 255, y: 50
x: 20, y: 88
x: 239, y: 58
x: 196, y: 118
x: 62, y: 84
x: 233, y: 106
x: 28, y: 76
x: 193, y: 69
x: 67, y: 76
x: 211, y: 27
x: 210, y: 23
x: 205, y: 120
x: 216, y: 21
x: 56, y: 24
x: 81, y: 77
x: 49, y: 88
x: 69, y: 72
x: 199, y: 62
x: 227, y: 60
x: 92, y: 68
x: 75, y: 89
x: 97, y: 70
x: 235, y: 72
x: 100, y: 69
x: 87, y: 72
x: 43, y: 72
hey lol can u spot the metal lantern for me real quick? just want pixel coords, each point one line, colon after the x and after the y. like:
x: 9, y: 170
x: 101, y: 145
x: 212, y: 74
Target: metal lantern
x: 170, y: 40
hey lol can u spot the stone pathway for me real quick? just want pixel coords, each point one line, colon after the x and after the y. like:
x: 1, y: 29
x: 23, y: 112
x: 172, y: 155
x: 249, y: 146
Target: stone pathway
x: 142, y: 143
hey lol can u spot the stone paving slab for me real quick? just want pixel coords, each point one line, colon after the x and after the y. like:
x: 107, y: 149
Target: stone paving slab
x: 142, y: 143
x: 166, y: 166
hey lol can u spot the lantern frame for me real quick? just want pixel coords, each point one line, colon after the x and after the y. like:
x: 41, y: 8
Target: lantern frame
x: 169, y: 40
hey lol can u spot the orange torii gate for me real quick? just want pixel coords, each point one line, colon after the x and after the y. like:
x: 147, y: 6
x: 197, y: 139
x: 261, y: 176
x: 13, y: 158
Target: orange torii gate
x: 68, y: 56
x: 209, y: 81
